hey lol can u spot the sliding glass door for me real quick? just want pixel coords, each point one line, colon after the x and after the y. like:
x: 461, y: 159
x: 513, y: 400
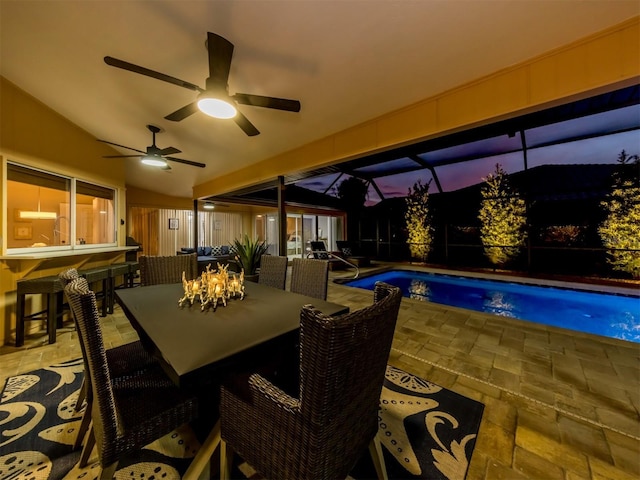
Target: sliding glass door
x: 302, y: 229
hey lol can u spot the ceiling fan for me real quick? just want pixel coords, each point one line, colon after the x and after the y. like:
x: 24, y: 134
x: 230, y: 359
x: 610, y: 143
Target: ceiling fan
x: 154, y: 156
x: 215, y: 99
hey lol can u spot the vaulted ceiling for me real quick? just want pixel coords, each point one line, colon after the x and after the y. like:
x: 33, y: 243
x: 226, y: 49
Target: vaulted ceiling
x: 346, y: 61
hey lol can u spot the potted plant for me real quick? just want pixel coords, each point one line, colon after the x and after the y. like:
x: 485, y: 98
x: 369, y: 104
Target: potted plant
x: 247, y: 254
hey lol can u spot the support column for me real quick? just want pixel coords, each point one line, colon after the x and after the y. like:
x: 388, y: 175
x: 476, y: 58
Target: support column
x: 282, y: 217
x: 195, y: 224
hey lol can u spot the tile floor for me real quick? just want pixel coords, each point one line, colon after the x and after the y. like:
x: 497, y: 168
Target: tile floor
x: 558, y: 404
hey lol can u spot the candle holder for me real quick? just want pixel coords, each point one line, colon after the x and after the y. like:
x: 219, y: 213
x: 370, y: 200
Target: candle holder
x: 213, y: 287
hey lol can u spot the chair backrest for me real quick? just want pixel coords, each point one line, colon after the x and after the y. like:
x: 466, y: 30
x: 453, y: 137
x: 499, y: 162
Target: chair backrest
x: 273, y: 271
x: 319, y: 250
x: 342, y: 367
x: 85, y: 312
x: 345, y: 248
x: 158, y: 270
x: 310, y: 277
x: 67, y: 276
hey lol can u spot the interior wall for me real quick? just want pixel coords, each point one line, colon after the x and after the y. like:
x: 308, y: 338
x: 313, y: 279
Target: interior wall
x: 601, y: 62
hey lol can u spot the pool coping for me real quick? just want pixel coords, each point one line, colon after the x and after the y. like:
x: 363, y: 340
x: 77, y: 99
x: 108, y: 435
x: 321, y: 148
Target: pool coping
x: 526, y: 325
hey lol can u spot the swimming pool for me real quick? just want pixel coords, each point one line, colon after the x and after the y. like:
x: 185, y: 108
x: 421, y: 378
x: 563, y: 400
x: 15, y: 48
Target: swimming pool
x: 615, y: 316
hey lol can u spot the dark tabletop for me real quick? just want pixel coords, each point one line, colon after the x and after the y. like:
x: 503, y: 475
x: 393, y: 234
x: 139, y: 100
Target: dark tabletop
x: 188, y: 340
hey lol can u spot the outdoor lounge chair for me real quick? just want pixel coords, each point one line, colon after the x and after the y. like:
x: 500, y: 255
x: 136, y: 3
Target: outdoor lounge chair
x: 350, y: 253
x: 319, y: 251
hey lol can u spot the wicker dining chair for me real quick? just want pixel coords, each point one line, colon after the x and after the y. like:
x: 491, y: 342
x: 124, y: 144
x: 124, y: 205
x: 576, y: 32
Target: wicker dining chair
x: 273, y: 271
x: 310, y: 277
x: 155, y: 270
x: 128, y: 418
x: 322, y: 428
x: 125, y: 363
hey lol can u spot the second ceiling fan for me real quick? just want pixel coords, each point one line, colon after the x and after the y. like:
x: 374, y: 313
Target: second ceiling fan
x: 154, y: 156
x: 214, y: 100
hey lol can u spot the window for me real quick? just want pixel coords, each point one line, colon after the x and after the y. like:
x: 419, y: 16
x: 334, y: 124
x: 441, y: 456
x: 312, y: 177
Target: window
x: 95, y: 214
x: 49, y: 211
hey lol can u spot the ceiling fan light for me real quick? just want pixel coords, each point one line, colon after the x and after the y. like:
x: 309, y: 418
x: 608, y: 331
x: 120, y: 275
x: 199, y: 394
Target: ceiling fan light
x: 154, y: 161
x: 214, y: 107
x: 209, y: 206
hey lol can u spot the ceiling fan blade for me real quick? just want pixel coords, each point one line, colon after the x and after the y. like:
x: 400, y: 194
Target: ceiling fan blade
x: 114, y: 62
x: 183, y: 112
x: 186, y: 162
x: 267, y: 102
x: 220, y: 54
x: 121, y: 156
x: 244, y: 123
x: 122, y: 146
x: 169, y: 151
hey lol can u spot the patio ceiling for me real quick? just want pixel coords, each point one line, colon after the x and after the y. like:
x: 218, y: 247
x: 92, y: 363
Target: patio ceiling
x: 607, y: 114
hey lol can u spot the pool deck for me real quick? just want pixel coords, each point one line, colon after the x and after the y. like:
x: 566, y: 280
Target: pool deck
x: 559, y: 404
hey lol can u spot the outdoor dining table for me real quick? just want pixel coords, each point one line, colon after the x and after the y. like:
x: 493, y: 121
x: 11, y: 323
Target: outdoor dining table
x: 191, y: 343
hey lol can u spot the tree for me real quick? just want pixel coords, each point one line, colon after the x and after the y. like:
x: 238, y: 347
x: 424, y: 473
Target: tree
x: 418, y: 221
x: 353, y: 193
x: 503, y: 218
x: 620, y: 231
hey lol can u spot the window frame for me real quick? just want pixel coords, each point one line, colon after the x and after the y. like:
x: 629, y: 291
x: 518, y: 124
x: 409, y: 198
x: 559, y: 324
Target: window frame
x: 71, y: 246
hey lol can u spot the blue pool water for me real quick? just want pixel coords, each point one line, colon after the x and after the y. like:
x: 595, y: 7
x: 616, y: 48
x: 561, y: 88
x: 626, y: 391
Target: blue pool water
x: 615, y: 316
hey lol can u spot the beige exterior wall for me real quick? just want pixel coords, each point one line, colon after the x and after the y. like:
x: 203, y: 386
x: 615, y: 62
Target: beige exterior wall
x: 602, y: 62
x: 32, y: 134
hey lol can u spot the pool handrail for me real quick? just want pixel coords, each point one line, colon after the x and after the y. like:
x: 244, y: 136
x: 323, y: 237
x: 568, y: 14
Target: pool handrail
x: 314, y: 253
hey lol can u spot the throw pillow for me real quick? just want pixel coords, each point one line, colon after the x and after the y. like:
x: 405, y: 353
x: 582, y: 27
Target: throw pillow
x: 200, y: 251
x: 216, y: 250
x: 225, y: 249
x: 207, y: 251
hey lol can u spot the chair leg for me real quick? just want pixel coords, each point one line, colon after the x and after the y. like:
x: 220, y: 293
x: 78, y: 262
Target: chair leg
x: 88, y: 448
x: 52, y: 316
x: 375, y: 450
x: 20, y: 307
x: 203, y: 457
x: 82, y: 430
x: 108, y: 472
x: 226, y: 460
x: 81, y: 396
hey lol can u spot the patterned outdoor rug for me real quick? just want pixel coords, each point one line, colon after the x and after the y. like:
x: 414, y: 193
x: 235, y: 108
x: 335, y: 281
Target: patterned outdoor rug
x: 429, y: 431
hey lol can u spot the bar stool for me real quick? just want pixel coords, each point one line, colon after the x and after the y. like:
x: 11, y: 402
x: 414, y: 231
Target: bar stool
x: 95, y: 275
x: 116, y: 270
x: 134, y: 266
x: 52, y: 288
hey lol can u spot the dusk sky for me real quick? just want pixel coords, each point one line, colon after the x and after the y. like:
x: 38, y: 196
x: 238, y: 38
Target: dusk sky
x: 601, y: 149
